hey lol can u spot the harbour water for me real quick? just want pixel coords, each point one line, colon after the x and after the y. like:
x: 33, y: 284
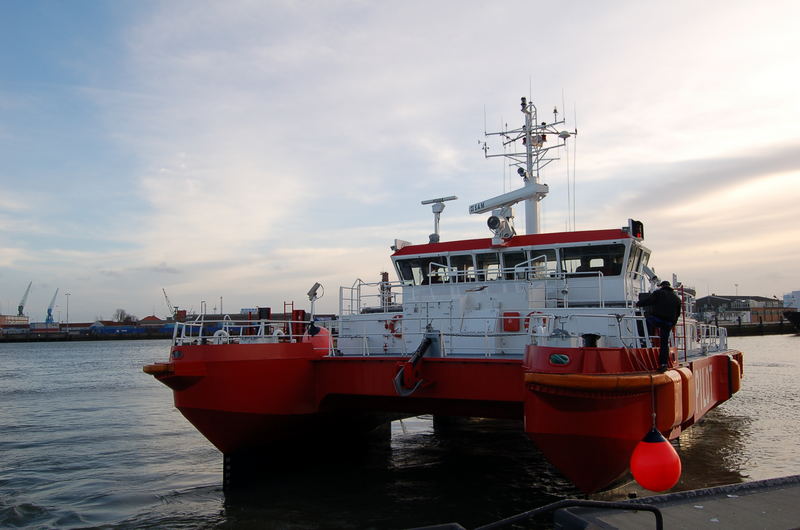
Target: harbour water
x: 88, y: 440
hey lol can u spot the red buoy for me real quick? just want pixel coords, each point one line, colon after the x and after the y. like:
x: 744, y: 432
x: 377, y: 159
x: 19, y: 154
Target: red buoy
x: 655, y: 464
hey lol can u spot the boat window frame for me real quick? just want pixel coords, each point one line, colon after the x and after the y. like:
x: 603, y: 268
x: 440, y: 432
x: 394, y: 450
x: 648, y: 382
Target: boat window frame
x: 508, y: 270
x: 485, y: 274
x: 467, y: 274
x: 572, y: 253
x: 534, y: 271
x: 420, y: 269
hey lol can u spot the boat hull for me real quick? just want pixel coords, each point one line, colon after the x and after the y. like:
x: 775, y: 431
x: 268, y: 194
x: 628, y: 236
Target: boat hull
x: 243, y: 398
x: 794, y: 318
x: 585, y: 417
x: 587, y: 424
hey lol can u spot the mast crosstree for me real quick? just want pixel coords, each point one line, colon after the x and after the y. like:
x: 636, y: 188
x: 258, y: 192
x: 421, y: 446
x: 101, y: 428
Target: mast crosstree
x: 529, y: 162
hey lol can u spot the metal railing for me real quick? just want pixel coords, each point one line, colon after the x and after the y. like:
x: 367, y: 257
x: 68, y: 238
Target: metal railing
x: 376, y: 336
x: 377, y: 297
x: 231, y: 331
x: 487, y: 339
x: 387, y: 297
x: 462, y: 336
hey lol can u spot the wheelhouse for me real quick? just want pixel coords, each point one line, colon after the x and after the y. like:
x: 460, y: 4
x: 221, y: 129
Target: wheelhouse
x: 613, y: 257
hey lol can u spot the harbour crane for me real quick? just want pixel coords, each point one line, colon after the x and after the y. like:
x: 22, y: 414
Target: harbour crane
x: 171, y: 308
x: 21, y: 305
x: 49, y: 318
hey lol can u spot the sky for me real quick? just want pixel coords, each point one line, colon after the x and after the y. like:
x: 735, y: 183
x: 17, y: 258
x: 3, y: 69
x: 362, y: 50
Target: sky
x: 237, y: 152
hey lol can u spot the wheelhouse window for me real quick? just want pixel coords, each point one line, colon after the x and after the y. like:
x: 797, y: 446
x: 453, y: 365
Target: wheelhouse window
x: 644, y: 260
x: 512, y: 259
x: 463, y: 268
x: 530, y: 264
x: 544, y: 262
x: 488, y: 266
x: 423, y: 271
x: 637, y: 260
x: 591, y: 260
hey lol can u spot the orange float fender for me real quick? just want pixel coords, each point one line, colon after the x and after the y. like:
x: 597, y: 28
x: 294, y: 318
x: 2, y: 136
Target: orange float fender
x: 158, y: 369
x: 734, y: 376
x: 667, y: 385
x: 669, y: 401
x: 635, y: 382
x: 687, y: 393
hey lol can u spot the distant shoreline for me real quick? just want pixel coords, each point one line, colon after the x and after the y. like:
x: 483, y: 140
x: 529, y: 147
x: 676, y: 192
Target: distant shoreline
x: 64, y: 337
x: 748, y: 330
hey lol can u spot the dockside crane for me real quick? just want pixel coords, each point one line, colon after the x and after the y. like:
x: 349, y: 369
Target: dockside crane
x: 49, y: 318
x: 22, y: 302
x: 171, y: 308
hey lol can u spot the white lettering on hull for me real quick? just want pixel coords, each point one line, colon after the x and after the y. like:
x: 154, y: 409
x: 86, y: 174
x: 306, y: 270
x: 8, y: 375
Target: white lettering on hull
x: 704, y: 393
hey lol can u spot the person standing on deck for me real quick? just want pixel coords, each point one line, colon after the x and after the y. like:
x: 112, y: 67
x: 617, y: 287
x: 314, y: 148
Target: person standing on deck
x: 666, y: 310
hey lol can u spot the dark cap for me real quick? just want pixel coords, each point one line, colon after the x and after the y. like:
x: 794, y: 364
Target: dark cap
x: 665, y: 283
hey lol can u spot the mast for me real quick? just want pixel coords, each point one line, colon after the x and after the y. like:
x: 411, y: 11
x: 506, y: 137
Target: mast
x: 529, y: 162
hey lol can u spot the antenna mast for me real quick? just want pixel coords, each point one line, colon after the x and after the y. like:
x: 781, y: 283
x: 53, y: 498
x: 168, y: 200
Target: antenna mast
x: 529, y: 163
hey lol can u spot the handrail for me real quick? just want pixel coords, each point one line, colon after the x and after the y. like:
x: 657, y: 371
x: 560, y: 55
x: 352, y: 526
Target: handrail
x: 542, y: 324
x: 203, y: 331
x: 527, y: 267
x: 363, y: 296
x: 481, y: 340
x: 353, y: 301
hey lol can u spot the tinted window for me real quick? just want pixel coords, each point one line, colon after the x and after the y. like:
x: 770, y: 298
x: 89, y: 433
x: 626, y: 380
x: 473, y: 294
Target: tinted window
x: 463, y: 267
x: 423, y: 271
x: 512, y: 259
x: 635, y: 260
x: 545, y: 261
x: 488, y: 266
x: 592, y: 260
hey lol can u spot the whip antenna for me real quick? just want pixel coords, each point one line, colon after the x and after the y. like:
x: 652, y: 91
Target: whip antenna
x: 574, y: 162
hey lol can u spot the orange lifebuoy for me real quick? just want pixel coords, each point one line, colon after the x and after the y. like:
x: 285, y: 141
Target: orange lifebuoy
x: 527, y: 321
x: 394, y: 326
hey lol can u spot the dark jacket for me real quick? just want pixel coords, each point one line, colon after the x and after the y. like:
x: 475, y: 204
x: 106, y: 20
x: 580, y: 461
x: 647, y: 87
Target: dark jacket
x: 666, y: 304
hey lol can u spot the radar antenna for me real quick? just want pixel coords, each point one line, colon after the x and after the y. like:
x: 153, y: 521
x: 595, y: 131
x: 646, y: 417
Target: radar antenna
x: 438, y: 207
x: 529, y: 163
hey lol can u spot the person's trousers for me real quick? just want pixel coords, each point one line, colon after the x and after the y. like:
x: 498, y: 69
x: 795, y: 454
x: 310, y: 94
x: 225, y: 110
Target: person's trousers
x: 664, y: 329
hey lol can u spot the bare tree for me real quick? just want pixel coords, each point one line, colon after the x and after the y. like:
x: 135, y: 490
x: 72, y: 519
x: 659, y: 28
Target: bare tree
x: 120, y: 315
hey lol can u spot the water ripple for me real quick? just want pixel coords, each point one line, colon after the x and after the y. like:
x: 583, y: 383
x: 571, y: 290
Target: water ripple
x: 90, y: 441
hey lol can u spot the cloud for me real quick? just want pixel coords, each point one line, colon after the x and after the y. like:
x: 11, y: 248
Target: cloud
x: 263, y: 145
x: 10, y: 257
x: 160, y: 268
x: 661, y: 185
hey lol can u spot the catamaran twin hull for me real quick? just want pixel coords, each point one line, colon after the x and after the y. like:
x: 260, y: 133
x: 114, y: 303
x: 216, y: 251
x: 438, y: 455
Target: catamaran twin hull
x: 556, y: 329
x: 585, y: 408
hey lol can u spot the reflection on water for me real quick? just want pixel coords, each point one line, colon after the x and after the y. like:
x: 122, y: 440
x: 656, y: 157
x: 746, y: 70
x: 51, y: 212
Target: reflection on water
x: 471, y: 471
x: 88, y: 440
x: 753, y: 436
x: 713, y: 453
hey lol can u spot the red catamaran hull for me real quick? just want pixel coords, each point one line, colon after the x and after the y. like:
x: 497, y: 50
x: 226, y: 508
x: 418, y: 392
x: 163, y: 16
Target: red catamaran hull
x: 245, y: 397
x: 587, y: 424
